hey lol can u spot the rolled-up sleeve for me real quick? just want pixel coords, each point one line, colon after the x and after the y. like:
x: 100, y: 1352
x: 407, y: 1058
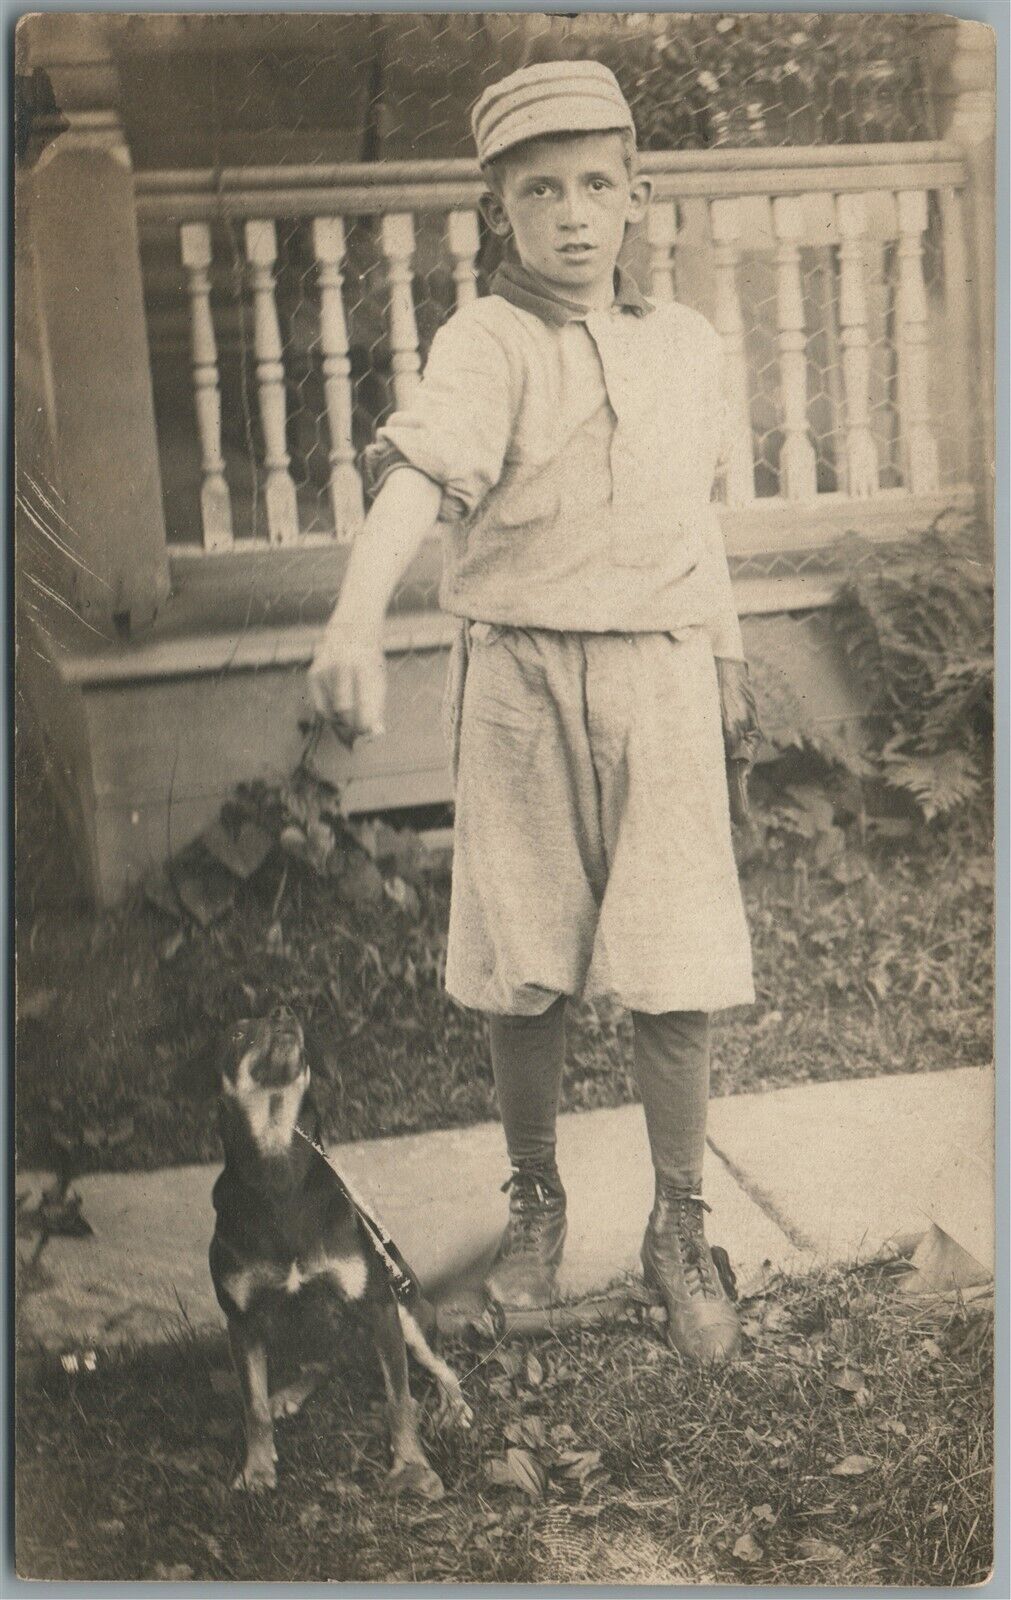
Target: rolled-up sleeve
x: 457, y: 427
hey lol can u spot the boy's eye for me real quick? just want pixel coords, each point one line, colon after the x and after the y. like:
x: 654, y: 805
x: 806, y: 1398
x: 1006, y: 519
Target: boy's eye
x: 598, y: 185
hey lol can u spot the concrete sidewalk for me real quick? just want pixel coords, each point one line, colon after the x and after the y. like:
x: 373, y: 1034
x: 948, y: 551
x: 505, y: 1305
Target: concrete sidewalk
x: 812, y: 1175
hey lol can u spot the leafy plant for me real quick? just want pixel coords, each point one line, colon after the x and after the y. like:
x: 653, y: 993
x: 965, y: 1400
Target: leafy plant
x: 915, y: 620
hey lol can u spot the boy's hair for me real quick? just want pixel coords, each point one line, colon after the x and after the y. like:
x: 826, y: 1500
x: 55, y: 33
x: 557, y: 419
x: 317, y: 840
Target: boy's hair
x: 493, y: 171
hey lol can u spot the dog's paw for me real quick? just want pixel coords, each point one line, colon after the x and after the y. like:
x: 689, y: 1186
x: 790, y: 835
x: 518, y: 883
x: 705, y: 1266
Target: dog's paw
x: 415, y: 1477
x: 255, y: 1477
x: 453, y: 1412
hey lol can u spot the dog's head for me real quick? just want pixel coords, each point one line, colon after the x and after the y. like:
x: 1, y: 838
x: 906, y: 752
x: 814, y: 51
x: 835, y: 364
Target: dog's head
x: 264, y: 1077
x: 265, y: 1053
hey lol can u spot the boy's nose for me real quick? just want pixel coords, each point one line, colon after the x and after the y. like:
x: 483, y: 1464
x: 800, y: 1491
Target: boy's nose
x: 571, y: 211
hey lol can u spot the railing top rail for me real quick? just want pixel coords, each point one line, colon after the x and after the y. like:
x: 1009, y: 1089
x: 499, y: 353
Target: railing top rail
x: 376, y: 187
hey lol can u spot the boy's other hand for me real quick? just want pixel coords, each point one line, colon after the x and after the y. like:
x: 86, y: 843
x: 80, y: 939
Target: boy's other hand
x: 348, y: 684
x: 742, y: 735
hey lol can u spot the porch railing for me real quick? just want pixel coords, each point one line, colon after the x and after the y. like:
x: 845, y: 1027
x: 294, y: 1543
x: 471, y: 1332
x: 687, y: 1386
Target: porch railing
x: 836, y: 278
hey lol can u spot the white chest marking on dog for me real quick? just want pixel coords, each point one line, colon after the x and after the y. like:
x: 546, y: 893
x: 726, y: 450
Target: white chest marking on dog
x: 241, y: 1285
x: 351, y: 1274
x: 294, y: 1280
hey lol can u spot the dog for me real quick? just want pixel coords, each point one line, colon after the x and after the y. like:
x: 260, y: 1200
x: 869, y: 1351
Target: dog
x: 284, y: 1221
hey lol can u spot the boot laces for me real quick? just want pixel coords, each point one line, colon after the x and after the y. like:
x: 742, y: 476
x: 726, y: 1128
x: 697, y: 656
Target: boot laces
x: 529, y: 1196
x: 697, y: 1262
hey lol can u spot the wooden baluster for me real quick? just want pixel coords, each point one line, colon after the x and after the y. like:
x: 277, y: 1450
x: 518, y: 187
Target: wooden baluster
x: 959, y: 321
x: 215, y: 502
x: 345, y: 485
x: 398, y: 248
x: 797, y: 460
x: 463, y: 247
x: 725, y: 222
x: 861, y: 451
x: 662, y: 234
x: 281, y: 502
x: 919, y: 452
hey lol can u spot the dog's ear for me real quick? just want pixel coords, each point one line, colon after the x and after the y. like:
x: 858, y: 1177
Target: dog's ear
x: 320, y: 1053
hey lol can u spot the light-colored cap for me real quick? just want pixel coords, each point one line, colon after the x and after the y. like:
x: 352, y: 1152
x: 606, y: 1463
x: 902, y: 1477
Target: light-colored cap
x: 554, y: 97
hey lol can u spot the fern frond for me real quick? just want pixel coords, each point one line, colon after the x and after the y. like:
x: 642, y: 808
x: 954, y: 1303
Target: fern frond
x: 938, y: 783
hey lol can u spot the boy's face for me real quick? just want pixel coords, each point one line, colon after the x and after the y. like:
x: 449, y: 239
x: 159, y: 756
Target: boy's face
x: 567, y: 203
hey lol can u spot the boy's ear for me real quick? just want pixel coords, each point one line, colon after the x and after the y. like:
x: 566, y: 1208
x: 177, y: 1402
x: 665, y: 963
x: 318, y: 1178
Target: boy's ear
x: 495, y: 214
x: 639, y: 196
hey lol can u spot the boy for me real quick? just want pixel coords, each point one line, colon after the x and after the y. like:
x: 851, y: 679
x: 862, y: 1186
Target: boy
x: 566, y: 435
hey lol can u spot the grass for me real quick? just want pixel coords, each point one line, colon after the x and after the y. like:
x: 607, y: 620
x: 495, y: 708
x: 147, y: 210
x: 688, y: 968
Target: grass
x: 641, y: 1470
x: 119, y: 1013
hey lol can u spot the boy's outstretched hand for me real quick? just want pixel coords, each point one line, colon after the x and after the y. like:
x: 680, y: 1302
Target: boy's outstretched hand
x: 347, y: 681
x: 742, y: 735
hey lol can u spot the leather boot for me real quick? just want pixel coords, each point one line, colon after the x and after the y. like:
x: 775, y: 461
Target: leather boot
x: 523, y: 1272
x: 678, y: 1263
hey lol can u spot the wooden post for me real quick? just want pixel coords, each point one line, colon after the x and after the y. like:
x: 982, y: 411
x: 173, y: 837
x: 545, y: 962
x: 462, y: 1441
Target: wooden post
x: 279, y: 490
x: 725, y: 222
x: 345, y: 485
x: 861, y: 452
x: 464, y: 240
x: 964, y: 56
x: 797, y: 461
x: 398, y: 248
x: 662, y: 234
x: 919, y: 449
x: 78, y: 204
x: 215, y: 504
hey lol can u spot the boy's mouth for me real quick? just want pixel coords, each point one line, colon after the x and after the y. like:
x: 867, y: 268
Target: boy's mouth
x: 576, y: 249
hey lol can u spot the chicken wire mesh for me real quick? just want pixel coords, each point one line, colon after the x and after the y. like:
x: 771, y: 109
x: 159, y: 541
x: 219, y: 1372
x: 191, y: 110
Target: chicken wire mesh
x: 311, y: 89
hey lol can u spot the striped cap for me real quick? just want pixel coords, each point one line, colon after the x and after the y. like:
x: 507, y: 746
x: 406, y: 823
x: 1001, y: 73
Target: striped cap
x: 554, y: 97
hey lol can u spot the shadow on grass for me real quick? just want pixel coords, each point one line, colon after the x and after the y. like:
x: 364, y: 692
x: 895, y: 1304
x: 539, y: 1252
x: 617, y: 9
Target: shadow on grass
x: 851, y: 1445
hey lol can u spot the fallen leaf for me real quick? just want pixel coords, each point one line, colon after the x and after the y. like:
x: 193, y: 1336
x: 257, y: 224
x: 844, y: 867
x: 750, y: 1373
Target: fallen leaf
x: 112, y: 1525
x: 764, y: 1513
x: 528, y: 1431
x: 525, y: 1471
x: 668, y: 1470
x: 534, y: 1372
x: 775, y: 1319
x: 818, y: 1550
x: 939, y: 1264
x: 579, y: 1464
x: 932, y: 1350
x: 850, y: 1379
x: 748, y: 1548
x: 892, y: 1425
x: 853, y: 1466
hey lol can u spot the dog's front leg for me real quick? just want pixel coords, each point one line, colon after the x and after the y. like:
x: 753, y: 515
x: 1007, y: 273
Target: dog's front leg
x: 410, y: 1473
x: 249, y: 1353
x: 453, y: 1410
